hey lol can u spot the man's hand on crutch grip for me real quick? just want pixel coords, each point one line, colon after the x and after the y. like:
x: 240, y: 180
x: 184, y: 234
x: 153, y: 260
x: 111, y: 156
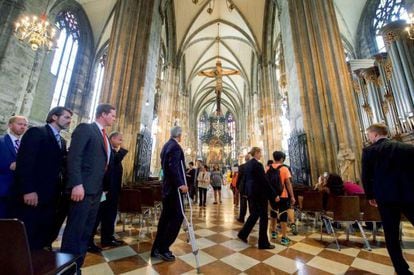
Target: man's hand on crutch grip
x: 183, y: 189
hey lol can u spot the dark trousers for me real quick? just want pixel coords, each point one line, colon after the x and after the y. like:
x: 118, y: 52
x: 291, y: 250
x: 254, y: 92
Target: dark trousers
x: 258, y: 209
x: 39, y: 222
x: 169, y: 223
x: 61, y: 214
x: 108, y: 210
x: 202, y: 196
x: 79, y: 226
x: 243, y: 207
x: 391, y: 217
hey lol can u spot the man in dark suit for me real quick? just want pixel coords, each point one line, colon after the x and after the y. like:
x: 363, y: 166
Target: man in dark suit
x: 88, y: 158
x: 112, y: 186
x: 190, y: 174
x: 387, y: 175
x: 241, y: 186
x: 9, y: 146
x: 172, y: 159
x: 257, y: 190
x: 39, y: 174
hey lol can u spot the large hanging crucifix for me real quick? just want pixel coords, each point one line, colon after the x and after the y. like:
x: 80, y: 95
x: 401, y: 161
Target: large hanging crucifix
x: 218, y: 74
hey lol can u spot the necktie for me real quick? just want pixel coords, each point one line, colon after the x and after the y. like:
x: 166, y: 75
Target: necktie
x: 59, y: 141
x: 17, y: 145
x: 105, y: 140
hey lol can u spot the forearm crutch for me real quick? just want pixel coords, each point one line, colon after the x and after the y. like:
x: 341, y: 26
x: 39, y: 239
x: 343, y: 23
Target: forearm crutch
x: 189, y: 222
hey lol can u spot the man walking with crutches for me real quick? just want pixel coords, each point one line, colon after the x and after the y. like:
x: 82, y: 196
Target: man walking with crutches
x: 171, y: 217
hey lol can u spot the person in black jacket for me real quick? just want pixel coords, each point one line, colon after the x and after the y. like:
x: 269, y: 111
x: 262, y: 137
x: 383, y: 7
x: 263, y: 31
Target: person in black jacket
x: 108, y: 208
x: 257, y: 190
x: 88, y: 159
x: 240, y: 185
x: 172, y: 163
x: 39, y: 174
x: 387, y: 176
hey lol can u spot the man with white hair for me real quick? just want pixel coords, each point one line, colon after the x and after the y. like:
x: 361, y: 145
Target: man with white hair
x: 172, y: 157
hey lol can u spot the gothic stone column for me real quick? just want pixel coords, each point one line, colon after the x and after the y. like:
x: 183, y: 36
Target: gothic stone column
x: 130, y: 76
x: 321, y: 86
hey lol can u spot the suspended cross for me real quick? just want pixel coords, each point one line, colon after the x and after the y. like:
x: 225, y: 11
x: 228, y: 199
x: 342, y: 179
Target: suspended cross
x: 218, y: 74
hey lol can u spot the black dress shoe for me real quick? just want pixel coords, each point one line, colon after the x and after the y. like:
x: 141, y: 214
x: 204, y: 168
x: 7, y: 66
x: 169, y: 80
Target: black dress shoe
x: 166, y: 256
x: 269, y: 246
x: 93, y: 248
x: 240, y: 220
x: 111, y: 243
x: 242, y: 239
x: 113, y: 240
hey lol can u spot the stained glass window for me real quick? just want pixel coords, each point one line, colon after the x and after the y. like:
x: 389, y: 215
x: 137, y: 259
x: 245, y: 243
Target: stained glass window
x: 231, y: 123
x: 387, y: 11
x: 65, y: 55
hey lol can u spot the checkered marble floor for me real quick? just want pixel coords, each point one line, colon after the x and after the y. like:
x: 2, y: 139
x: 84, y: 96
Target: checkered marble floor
x: 222, y: 253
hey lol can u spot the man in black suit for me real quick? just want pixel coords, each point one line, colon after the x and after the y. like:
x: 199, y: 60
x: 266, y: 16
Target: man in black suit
x: 39, y: 174
x: 257, y: 190
x: 387, y: 175
x: 191, y: 180
x: 112, y: 186
x: 88, y: 158
x: 9, y: 146
x: 241, y: 186
x: 172, y: 159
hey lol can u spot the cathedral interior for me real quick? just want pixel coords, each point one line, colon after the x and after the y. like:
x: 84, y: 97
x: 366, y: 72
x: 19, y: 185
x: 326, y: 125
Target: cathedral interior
x: 306, y: 77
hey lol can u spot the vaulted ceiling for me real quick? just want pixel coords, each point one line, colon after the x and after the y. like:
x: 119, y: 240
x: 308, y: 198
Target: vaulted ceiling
x: 239, y: 45
x: 233, y: 36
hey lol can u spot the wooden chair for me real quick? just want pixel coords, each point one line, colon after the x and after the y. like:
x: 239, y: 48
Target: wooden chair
x: 312, y: 203
x: 343, y: 209
x: 17, y: 259
x: 369, y: 213
x: 131, y: 203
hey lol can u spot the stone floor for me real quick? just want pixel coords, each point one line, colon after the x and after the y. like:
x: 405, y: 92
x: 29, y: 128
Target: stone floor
x: 222, y: 253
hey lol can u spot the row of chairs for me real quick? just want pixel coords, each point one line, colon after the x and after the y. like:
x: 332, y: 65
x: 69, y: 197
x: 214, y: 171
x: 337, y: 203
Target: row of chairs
x: 142, y: 201
x: 347, y: 209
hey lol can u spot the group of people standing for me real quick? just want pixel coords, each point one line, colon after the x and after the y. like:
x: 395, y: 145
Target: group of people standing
x: 200, y: 179
x: 42, y: 182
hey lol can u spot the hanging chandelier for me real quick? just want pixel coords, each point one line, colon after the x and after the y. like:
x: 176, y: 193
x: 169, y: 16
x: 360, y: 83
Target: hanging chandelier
x: 410, y: 28
x: 36, y: 31
x: 229, y: 4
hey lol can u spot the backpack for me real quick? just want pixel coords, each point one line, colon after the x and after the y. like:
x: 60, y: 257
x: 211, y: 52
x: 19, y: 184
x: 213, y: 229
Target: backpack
x: 273, y: 176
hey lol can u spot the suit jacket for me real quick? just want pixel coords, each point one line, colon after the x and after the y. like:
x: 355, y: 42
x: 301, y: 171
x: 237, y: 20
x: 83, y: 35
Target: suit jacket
x: 7, y: 156
x: 241, y: 179
x: 257, y: 186
x: 40, y: 165
x: 388, y: 172
x: 87, y: 159
x: 172, y: 157
x: 113, y: 176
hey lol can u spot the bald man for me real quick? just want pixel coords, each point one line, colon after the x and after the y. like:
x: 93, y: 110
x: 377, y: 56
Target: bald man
x: 9, y: 146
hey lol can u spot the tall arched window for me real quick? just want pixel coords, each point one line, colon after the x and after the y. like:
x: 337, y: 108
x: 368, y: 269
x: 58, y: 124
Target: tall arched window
x: 387, y: 11
x: 65, y: 55
x: 97, y: 87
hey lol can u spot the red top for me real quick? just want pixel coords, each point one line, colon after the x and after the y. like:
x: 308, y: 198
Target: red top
x: 351, y: 188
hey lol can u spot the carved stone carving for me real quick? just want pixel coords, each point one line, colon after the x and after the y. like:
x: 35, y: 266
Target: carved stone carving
x: 346, y: 162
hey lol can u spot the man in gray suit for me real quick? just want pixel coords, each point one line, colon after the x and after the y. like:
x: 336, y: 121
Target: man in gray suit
x: 88, y: 158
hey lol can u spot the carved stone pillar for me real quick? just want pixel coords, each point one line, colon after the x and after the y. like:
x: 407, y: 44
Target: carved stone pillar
x: 319, y: 83
x: 270, y: 111
x: 166, y: 115
x: 130, y: 74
